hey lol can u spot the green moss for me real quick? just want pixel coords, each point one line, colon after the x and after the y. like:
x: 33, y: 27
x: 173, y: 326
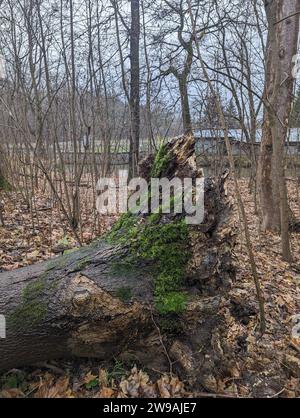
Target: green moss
x: 4, y: 184
x: 171, y: 302
x: 28, y: 314
x: 161, y: 161
x: 164, y: 246
x: 33, y: 290
x: 125, y: 228
x: 53, y: 284
x: 59, y: 262
x: 82, y: 264
x: 126, y: 268
x: 32, y: 309
x: 71, y: 250
x: 154, y: 218
x: 124, y: 293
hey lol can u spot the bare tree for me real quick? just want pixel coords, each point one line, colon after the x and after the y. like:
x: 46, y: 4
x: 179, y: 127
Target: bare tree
x: 172, y: 63
x: 281, y: 47
x: 134, y: 87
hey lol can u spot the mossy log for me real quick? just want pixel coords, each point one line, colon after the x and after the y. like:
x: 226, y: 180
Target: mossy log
x: 100, y: 302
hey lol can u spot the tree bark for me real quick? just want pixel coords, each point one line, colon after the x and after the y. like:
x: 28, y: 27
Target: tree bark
x: 134, y: 88
x: 2, y: 183
x: 270, y: 208
x: 281, y: 47
x: 75, y: 305
x: 185, y: 106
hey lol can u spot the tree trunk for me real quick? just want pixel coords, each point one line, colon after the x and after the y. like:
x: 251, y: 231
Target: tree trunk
x: 270, y: 210
x: 134, y: 88
x: 2, y: 184
x: 281, y: 47
x: 92, y: 303
x: 185, y: 106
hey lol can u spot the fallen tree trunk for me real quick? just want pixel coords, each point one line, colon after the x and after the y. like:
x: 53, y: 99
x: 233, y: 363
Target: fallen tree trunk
x: 111, y: 299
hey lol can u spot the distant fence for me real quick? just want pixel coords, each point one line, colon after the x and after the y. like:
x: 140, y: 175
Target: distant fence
x: 117, y: 161
x: 207, y: 147
x: 204, y: 146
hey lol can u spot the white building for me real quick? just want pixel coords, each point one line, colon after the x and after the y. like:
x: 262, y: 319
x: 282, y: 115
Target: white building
x: 2, y: 68
x: 212, y: 142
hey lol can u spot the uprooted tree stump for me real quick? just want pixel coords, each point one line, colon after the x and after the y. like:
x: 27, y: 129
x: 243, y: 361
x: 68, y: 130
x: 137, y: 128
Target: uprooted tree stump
x: 149, y: 292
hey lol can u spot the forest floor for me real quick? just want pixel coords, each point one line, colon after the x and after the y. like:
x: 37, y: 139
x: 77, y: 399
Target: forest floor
x: 269, y: 366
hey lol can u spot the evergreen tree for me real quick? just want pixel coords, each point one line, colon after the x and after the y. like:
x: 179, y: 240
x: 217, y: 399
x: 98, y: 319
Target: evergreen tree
x: 210, y: 117
x: 231, y: 115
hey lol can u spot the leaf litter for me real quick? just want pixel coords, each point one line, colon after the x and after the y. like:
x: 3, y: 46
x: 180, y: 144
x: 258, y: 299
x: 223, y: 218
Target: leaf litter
x: 269, y: 366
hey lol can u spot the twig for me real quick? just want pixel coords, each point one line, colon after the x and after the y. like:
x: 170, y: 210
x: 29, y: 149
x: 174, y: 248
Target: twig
x: 51, y: 367
x: 162, y: 343
x: 287, y: 17
x: 294, y: 346
x: 277, y: 394
x: 214, y: 395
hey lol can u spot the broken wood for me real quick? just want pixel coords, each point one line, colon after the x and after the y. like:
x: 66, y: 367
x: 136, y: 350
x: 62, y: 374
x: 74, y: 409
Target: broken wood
x: 99, y: 302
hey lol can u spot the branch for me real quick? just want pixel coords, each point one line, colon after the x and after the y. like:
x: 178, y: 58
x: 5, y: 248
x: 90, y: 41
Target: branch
x: 287, y: 17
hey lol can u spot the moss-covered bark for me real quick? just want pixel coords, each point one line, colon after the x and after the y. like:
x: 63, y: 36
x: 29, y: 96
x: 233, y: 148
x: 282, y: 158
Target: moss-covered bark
x: 164, y: 248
